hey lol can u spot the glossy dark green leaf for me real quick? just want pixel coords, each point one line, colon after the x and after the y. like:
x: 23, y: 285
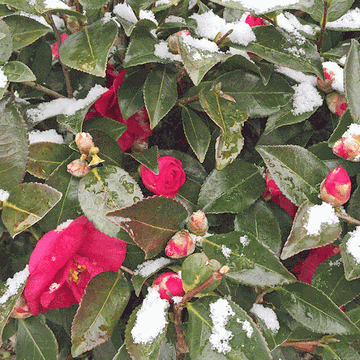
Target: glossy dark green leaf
x: 35, y: 340
x: 160, y: 93
x: 17, y: 71
x: 122, y: 354
x: 24, y: 30
x: 314, y: 310
x: 344, y: 122
x: 260, y: 221
x: 329, y: 277
x: 300, y: 240
x: 352, y: 80
x: 295, y: 170
x: 23, y: 5
x: 87, y: 49
x: 196, y: 132
x: 232, y: 189
x: 93, y: 4
x: 338, y: 351
x: 105, y: 298
x: 27, y: 204
x: 251, y: 263
x: 105, y: 189
x: 148, y: 158
x: 150, y: 222
x: 247, y: 341
x: 45, y: 157
x: 196, y: 269
x: 5, y: 42
x: 14, y: 147
x: 112, y: 128
x: 349, y: 253
x: 336, y: 9
x: 252, y: 95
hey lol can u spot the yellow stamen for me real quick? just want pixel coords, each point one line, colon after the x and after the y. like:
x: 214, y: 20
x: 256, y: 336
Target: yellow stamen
x: 74, y: 273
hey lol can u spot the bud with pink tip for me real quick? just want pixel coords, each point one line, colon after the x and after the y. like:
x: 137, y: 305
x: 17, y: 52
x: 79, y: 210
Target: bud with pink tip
x: 180, y: 245
x: 173, y: 40
x: 270, y: 184
x: 336, y: 187
x: 79, y: 167
x: 348, y: 148
x: 84, y: 142
x: 337, y: 103
x: 169, y: 285
x: 198, y: 223
x: 325, y: 85
x: 21, y: 309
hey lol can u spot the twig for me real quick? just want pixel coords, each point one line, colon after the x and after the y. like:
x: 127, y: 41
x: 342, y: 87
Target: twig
x: 187, y: 100
x: 323, y: 26
x: 348, y: 218
x: 224, y: 37
x: 264, y: 17
x: 124, y: 268
x: 43, y: 89
x: 308, y: 346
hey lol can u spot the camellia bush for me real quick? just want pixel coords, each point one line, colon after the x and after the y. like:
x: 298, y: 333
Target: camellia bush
x: 179, y: 179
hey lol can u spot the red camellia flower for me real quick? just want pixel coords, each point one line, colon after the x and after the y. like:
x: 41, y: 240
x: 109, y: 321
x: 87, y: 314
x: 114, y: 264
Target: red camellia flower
x: 254, y: 20
x: 171, y: 177
x: 63, y: 262
x: 55, y: 47
x: 169, y: 282
x: 138, y: 126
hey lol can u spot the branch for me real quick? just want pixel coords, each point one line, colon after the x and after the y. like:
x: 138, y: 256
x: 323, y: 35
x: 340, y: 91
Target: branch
x: 43, y: 89
x: 323, y: 26
x: 348, y: 218
x: 187, y: 100
x: 224, y: 37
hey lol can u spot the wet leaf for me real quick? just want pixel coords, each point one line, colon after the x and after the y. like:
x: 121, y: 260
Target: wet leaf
x: 112, y: 128
x: 148, y: 158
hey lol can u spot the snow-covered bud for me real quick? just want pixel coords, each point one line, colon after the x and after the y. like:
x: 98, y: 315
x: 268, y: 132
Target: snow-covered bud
x: 337, y: 103
x: 173, y: 41
x: 21, y: 309
x: 336, y: 187
x: 169, y: 285
x: 270, y: 184
x: 79, y: 167
x: 326, y: 84
x: 84, y: 142
x: 348, y: 148
x: 180, y: 245
x: 198, y: 223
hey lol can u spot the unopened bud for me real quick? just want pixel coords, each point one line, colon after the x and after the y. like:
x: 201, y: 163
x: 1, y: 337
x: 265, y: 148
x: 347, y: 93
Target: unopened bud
x: 95, y: 159
x: 84, y: 142
x: 348, y: 148
x: 198, y: 223
x: 336, y: 187
x: 337, y: 103
x: 270, y: 184
x: 180, y: 245
x: 21, y: 309
x: 169, y: 283
x: 79, y: 167
x: 325, y: 85
x: 173, y: 41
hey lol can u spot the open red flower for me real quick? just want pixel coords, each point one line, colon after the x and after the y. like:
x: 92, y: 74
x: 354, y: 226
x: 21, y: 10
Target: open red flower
x: 138, y: 126
x: 63, y: 262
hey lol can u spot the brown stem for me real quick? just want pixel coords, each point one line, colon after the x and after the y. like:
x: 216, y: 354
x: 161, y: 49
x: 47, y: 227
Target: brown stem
x: 259, y: 298
x: 264, y: 17
x: 308, y: 346
x: 181, y: 345
x: 323, y: 26
x: 224, y: 37
x: 185, y: 101
x: 43, y: 89
x: 64, y: 67
x: 348, y: 218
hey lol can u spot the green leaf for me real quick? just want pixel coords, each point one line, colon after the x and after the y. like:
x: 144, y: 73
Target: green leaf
x: 329, y: 277
x: 122, y: 354
x: 336, y: 9
x: 148, y: 158
x: 196, y: 269
x: 260, y: 221
x: 112, y: 128
x: 232, y: 190
x: 352, y: 80
x: 87, y: 50
x: 282, y: 48
x: 5, y: 42
x: 314, y: 310
x: 351, y: 263
x: 26, y: 205
x: 252, y: 95
x: 247, y: 341
x: 160, y: 94
x: 35, y: 340
x: 24, y: 30
x: 295, y: 170
x: 150, y: 222
x: 105, y: 298
x: 344, y: 122
x: 105, y: 189
x: 300, y: 240
x: 337, y: 351
x: 45, y: 157
x: 127, y: 23
x: 17, y: 71
x: 93, y: 4
x: 22, y: 5
x: 14, y: 146
x: 251, y: 263
x: 196, y: 131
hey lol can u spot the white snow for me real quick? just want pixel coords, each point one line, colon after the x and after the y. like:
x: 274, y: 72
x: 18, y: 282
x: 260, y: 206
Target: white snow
x: 244, y: 240
x: 351, y: 20
x: 55, y: 4
x: 338, y: 71
x: 353, y: 129
x: 37, y: 18
x: 175, y: 19
x: 220, y: 312
x: 268, y: 316
x: 162, y: 51
x: 3, y: 78
x: 126, y: 12
x: 51, y: 135
x: 226, y: 251
x: 306, y: 98
x: 148, y: 14
x: 243, y: 53
x: 290, y: 23
x: 200, y: 44
x: 162, y: 2
x: 13, y: 284
x: 63, y: 225
x: 4, y: 195
x: 151, y: 318
x: 296, y: 75
x: 246, y: 326
x: 318, y: 215
x: 353, y: 244
x: 151, y: 266
x: 263, y: 6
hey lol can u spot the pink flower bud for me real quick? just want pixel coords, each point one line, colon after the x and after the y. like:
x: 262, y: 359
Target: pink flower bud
x: 84, y: 142
x: 326, y: 84
x: 21, y: 309
x: 198, y: 223
x: 336, y: 187
x: 348, y: 148
x: 180, y: 245
x: 254, y: 20
x: 55, y: 47
x: 337, y: 103
x: 173, y: 40
x: 270, y: 184
x: 79, y: 167
x: 169, y: 285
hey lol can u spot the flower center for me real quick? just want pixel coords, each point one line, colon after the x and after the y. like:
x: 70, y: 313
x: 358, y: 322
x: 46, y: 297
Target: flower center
x: 75, y: 271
